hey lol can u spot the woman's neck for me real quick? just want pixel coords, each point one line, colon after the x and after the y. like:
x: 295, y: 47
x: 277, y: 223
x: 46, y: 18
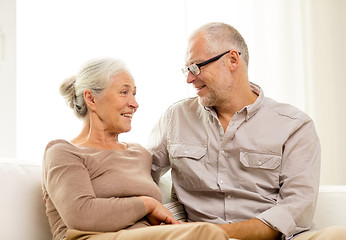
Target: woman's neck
x: 94, y: 137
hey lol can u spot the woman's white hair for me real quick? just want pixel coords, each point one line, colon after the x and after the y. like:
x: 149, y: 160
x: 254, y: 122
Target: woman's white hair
x: 221, y: 37
x: 94, y: 75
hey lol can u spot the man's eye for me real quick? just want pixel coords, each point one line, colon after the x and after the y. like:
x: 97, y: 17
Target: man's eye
x: 124, y: 92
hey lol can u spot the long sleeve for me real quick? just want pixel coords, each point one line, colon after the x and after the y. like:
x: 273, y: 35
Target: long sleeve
x: 69, y: 186
x: 299, y: 183
x: 157, y: 145
x: 96, y: 190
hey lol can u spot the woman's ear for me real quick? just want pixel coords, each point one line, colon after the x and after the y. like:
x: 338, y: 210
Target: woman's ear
x: 89, y: 99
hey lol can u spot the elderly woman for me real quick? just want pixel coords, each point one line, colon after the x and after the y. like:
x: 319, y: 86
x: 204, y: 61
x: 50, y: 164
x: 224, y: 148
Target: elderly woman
x: 96, y: 187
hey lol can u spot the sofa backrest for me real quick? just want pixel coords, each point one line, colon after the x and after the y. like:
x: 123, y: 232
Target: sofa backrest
x: 22, y: 211
x: 331, y: 206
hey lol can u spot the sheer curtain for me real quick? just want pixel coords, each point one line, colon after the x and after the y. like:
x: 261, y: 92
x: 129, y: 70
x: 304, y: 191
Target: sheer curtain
x: 296, y: 56
x: 324, y: 38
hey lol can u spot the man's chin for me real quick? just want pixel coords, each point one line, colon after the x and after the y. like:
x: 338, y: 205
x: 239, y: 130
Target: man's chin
x: 206, y: 102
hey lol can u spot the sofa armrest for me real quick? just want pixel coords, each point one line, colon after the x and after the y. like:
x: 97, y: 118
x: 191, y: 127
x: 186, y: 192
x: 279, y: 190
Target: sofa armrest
x: 21, y: 202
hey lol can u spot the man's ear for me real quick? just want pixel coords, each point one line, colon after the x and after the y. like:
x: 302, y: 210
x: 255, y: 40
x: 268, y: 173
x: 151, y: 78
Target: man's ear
x: 234, y: 59
x: 89, y: 99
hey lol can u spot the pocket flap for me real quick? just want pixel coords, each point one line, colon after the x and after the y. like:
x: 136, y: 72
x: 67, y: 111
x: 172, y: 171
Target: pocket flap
x: 260, y: 160
x: 188, y: 151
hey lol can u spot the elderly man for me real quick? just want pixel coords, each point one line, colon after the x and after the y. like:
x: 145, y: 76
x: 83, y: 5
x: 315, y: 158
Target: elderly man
x: 238, y: 158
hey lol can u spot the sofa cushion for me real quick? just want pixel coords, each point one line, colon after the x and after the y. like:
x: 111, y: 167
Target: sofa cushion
x: 22, y: 212
x: 21, y: 205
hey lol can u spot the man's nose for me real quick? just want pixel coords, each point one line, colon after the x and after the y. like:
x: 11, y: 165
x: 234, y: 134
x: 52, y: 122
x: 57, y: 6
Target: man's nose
x: 190, y: 77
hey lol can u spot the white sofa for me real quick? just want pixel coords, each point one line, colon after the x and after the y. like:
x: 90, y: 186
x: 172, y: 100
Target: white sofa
x: 22, y: 212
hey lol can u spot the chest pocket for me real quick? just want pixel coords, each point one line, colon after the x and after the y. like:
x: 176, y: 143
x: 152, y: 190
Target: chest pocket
x: 189, y: 165
x: 195, y: 152
x: 259, y: 160
x: 260, y: 172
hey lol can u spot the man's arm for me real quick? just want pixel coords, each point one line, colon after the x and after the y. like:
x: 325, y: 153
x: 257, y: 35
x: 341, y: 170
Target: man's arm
x: 157, y: 145
x: 299, y: 182
x: 250, y: 229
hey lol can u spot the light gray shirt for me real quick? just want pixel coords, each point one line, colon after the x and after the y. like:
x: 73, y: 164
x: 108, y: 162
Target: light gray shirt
x: 265, y: 165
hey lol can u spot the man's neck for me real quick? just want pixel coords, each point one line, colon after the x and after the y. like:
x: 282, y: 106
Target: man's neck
x: 225, y: 110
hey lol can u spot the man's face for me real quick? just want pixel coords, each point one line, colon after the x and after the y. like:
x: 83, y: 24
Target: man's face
x: 211, y: 84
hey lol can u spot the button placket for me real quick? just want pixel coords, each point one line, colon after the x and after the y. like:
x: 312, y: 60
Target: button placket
x: 229, y: 208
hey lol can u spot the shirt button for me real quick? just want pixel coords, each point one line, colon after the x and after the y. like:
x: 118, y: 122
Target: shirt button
x: 229, y: 196
x: 223, y: 152
x: 221, y: 182
x: 186, y: 152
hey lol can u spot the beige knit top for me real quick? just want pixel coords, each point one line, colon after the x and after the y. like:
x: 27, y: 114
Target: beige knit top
x: 95, y: 190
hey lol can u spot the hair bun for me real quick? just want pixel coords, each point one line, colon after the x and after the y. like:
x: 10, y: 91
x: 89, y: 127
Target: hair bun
x: 68, y: 91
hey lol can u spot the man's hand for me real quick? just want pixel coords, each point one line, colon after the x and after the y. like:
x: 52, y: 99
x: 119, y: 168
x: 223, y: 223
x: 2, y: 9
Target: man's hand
x: 156, y: 212
x: 250, y: 230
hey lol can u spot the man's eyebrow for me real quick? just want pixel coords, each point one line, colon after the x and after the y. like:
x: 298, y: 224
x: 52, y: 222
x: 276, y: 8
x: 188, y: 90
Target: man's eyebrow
x: 188, y: 63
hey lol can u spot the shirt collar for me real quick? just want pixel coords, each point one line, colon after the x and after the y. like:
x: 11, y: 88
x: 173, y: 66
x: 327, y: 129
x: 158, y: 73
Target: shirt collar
x: 253, y: 108
x: 250, y: 109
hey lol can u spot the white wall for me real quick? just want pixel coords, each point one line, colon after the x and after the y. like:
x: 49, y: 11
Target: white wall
x: 56, y: 37
x: 8, y: 78
x: 296, y: 55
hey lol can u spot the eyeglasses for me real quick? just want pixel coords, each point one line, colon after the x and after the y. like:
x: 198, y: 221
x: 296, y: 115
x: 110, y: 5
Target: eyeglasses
x: 195, y: 68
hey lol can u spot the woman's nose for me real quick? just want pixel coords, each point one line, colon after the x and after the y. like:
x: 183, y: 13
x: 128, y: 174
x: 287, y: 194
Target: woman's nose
x: 133, y: 104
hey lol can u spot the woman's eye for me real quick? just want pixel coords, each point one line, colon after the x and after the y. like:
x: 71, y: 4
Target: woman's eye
x: 124, y: 92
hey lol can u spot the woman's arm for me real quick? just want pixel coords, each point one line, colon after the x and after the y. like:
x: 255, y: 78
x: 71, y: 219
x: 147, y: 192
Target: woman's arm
x: 68, y: 184
x: 156, y: 212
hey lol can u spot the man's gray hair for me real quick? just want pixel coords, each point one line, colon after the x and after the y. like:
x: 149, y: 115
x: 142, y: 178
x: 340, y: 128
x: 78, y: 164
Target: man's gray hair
x: 221, y: 37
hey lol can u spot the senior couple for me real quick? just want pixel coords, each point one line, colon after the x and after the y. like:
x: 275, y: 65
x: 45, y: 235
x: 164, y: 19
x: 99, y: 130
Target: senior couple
x: 243, y: 165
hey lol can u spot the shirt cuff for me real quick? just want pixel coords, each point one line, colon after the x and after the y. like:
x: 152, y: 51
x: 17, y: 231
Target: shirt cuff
x: 279, y: 219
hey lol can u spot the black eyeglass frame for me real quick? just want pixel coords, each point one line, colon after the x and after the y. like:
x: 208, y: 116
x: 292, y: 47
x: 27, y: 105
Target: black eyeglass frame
x: 195, y: 68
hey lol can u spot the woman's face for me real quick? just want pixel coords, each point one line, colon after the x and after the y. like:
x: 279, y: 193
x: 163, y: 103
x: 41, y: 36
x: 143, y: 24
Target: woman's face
x: 117, y: 104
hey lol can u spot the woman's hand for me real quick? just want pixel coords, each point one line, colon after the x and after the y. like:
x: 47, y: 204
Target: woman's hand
x: 156, y: 212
